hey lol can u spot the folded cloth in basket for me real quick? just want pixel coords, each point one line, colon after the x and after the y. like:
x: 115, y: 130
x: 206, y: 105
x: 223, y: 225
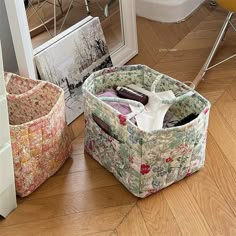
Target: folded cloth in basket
x: 123, y: 108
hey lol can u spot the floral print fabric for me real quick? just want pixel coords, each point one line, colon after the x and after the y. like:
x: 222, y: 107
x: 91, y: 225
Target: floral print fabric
x: 145, y: 162
x: 39, y: 135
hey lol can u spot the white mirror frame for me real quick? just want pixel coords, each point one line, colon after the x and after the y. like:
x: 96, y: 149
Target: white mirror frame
x: 23, y: 46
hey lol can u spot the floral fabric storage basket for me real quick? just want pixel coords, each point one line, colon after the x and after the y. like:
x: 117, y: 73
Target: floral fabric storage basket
x: 145, y: 162
x: 39, y: 135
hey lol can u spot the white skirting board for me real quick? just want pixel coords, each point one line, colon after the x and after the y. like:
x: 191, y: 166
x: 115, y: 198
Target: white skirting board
x: 7, y: 181
x: 168, y: 11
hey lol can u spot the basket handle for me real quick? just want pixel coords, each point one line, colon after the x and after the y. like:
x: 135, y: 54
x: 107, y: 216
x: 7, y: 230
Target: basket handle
x: 39, y: 84
x: 177, y: 99
x: 127, y: 101
x: 26, y: 94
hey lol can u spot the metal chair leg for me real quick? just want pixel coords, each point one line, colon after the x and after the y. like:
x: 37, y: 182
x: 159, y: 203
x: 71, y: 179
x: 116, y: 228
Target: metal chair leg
x: 220, y: 37
x: 87, y: 6
x: 106, y: 8
x: 218, y: 41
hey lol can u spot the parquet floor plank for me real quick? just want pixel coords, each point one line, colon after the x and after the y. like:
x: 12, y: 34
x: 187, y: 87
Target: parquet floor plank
x: 222, y: 172
x: 158, y: 216
x: 186, y: 211
x: 90, y: 222
x: 224, y: 135
x: 133, y: 224
x: 70, y: 203
x: 75, y: 182
x: 209, y: 198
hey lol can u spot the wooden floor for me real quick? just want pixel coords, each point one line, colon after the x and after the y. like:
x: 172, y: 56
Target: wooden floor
x: 85, y: 199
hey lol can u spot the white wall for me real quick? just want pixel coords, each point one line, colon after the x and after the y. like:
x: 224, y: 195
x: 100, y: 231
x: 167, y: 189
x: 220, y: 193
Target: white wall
x: 9, y: 58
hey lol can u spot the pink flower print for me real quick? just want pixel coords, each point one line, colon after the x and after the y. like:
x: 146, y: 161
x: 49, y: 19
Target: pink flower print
x: 169, y: 159
x: 205, y: 111
x: 151, y: 191
x: 90, y: 145
x: 17, y: 165
x: 145, y: 169
x: 131, y: 159
x: 110, y: 139
x: 184, y: 149
x: 109, y: 70
x: 188, y: 173
x: 122, y: 119
x: 195, y: 163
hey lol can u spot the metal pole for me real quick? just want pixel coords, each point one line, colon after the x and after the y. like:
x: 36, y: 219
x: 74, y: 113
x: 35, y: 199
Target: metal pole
x: 55, y: 17
x: 87, y: 6
x: 218, y: 40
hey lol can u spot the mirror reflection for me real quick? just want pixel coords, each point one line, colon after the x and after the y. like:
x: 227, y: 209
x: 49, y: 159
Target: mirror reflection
x: 47, y: 18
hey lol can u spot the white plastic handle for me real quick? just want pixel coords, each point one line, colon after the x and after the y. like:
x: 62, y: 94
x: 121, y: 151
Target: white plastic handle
x: 177, y: 99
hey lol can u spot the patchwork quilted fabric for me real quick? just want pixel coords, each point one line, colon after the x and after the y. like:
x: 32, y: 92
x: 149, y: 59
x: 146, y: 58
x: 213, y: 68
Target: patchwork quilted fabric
x: 145, y: 162
x: 39, y: 135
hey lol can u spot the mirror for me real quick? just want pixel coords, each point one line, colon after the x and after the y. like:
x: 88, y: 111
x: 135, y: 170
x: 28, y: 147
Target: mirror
x: 48, y: 18
x: 121, y: 52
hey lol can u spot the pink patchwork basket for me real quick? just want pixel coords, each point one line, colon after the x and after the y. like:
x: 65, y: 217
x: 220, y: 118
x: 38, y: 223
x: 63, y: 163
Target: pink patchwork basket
x: 39, y: 134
